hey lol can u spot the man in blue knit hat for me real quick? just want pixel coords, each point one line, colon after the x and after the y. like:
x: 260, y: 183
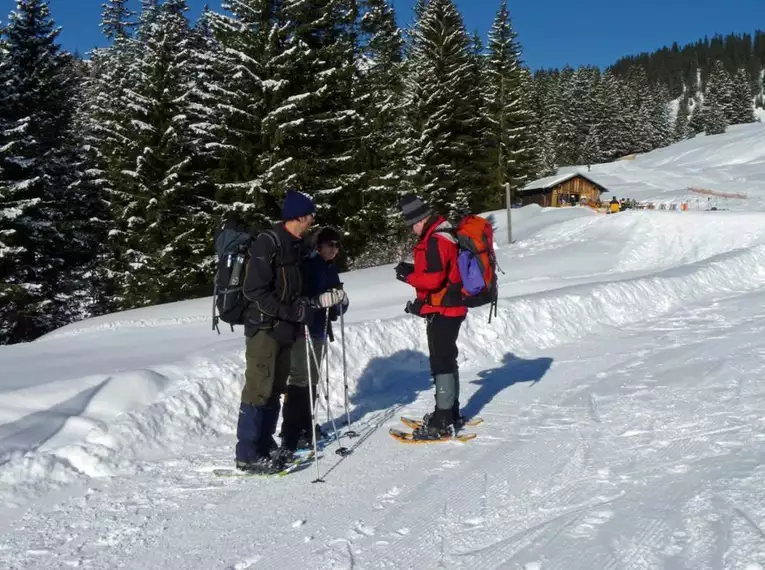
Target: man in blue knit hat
x: 274, y: 319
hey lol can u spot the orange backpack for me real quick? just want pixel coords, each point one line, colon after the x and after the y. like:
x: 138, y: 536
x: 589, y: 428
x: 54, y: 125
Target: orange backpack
x: 477, y: 263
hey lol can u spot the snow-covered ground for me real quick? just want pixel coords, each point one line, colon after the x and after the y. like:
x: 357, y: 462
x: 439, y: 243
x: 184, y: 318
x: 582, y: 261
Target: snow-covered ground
x: 621, y: 385
x: 732, y: 163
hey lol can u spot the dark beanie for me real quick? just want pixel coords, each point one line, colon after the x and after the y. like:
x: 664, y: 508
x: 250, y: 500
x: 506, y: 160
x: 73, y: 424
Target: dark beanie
x: 326, y: 234
x: 414, y: 209
x: 296, y: 205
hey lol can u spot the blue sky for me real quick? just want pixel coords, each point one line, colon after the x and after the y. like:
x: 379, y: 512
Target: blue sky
x: 552, y: 32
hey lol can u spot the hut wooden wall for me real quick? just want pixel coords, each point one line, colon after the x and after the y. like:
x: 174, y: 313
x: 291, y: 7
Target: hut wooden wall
x: 560, y: 194
x: 578, y: 186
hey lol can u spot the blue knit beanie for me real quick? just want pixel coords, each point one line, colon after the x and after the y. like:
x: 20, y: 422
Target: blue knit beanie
x: 296, y: 204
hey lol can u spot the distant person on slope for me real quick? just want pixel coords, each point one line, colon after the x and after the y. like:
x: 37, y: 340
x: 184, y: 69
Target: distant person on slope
x: 320, y: 279
x: 614, y: 205
x: 436, y: 278
x: 273, y: 321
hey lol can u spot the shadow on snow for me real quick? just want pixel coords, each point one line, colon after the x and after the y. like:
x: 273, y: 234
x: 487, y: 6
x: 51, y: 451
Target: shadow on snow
x: 514, y: 370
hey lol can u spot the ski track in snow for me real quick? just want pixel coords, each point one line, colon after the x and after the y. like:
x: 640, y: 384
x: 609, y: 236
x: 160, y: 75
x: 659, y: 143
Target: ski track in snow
x: 621, y: 384
x: 585, y: 469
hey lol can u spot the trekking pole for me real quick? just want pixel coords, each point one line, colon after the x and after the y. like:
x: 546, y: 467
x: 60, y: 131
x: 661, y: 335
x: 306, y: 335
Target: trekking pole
x: 313, y: 412
x: 325, y: 355
x: 341, y: 450
x: 350, y: 433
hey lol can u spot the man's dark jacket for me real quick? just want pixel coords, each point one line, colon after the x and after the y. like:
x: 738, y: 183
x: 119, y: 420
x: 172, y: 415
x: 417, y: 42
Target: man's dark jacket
x: 273, y: 284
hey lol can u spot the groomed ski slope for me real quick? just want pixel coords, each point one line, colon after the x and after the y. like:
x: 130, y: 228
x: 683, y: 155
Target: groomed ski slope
x: 621, y: 385
x: 731, y: 163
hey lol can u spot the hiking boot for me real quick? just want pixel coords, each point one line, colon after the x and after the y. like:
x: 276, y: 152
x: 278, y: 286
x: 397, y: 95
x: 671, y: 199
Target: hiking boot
x: 305, y: 441
x: 260, y: 465
x: 320, y: 434
x: 281, y: 458
x: 435, y: 426
x: 431, y: 432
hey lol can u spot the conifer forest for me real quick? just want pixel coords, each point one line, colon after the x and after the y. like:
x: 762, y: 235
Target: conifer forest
x: 117, y: 165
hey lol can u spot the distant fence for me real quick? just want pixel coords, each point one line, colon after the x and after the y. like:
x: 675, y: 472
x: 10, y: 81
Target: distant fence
x: 708, y: 192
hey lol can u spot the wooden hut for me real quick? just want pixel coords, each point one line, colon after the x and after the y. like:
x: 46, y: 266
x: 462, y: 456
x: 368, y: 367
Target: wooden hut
x: 561, y: 190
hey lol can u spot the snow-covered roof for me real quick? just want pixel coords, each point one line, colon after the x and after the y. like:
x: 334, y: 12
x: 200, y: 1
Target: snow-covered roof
x: 550, y: 181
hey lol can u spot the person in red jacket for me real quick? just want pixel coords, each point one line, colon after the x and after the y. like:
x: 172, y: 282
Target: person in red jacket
x: 436, y: 279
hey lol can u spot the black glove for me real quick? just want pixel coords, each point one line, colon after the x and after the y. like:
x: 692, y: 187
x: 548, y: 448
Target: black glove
x: 301, y: 311
x: 413, y: 307
x: 403, y: 271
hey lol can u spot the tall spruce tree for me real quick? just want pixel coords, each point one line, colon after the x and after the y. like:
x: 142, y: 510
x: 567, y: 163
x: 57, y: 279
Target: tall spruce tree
x: 580, y: 112
x: 547, y: 113
x: 107, y: 169
x: 614, y: 125
x: 116, y: 19
x: 202, y: 104
x: 166, y: 223
x: 245, y: 85
x: 696, y: 122
x: 718, y: 100
x: 509, y: 111
x: 742, y: 110
x: 88, y: 217
x: 444, y: 109
x: 641, y: 108
x: 35, y: 172
x: 318, y: 125
x: 661, y: 117
x: 378, y: 92
x: 682, y: 129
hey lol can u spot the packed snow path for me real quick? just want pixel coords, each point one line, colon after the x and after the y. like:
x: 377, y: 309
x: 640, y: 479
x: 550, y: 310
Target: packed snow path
x: 639, y: 448
x: 621, y: 386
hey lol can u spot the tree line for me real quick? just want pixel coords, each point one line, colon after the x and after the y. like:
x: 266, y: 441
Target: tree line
x: 115, y: 169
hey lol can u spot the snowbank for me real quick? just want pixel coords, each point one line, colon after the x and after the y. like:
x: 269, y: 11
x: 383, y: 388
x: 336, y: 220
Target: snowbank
x: 96, y: 397
x: 160, y: 377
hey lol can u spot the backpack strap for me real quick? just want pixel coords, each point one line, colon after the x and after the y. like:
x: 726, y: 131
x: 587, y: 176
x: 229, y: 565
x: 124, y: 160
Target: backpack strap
x: 277, y: 242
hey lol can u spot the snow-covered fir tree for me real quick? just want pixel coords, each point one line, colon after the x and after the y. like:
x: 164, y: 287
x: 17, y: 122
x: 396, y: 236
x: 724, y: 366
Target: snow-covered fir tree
x: 165, y: 225
x: 696, y: 122
x: 242, y: 86
x: 36, y: 103
x: 682, y: 129
x: 116, y: 19
x: 580, y: 112
x: 108, y: 120
x: 444, y: 109
x: 742, y: 110
x: 718, y: 100
x: 639, y: 111
x: 418, y: 9
x: 378, y: 92
x: 614, y: 127
x: 548, y: 112
x: 661, y: 117
x: 314, y: 130
x: 202, y: 104
x: 88, y: 218
x: 512, y: 152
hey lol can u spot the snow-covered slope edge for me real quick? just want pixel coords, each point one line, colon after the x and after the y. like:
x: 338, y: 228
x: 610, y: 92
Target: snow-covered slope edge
x: 203, y: 394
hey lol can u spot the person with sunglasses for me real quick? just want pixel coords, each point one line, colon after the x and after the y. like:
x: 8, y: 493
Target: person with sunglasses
x: 321, y: 280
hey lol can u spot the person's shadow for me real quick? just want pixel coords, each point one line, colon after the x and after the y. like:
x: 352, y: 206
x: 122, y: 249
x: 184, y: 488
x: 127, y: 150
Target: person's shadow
x: 514, y: 370
x: 391, y: 382
x: 387, y: 385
